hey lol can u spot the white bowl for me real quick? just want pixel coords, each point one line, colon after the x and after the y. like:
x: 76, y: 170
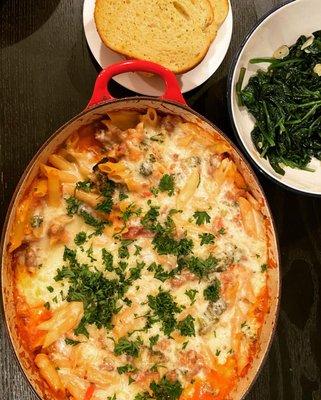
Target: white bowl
x: 282, y: 25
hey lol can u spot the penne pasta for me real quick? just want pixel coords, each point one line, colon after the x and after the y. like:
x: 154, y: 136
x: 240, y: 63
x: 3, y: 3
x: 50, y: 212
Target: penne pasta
x: 48, y: 371
x: 140, y: 260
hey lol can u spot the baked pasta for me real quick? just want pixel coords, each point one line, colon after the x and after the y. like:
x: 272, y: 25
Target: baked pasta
x: 140, y: 259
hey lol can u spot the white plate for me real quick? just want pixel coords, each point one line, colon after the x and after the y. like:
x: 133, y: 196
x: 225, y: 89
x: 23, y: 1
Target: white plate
x: 283, y: 26
x: 152, y: 86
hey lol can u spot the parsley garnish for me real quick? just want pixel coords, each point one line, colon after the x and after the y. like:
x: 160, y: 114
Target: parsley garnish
x: 212, y: 292
x: 186, y: 326
x: 122, y: 196
x: 150, y: 218
x: 125, y: 346
x: 107, y: 191
x: 166, y: 184
x: 153, y: 340
x: 92, y: 221
x: 221, y: 231
x: 206, y: 238
x: 130, y: 211
x: 73, y: 205
x: 50, y: 289
x: 126, y: 368
x: 71, y: 342
x: 200, y: 267
x: 47, y: 305
x: 138, y: 250
x: 85, y: 186
x: 165, y: 244
x: 191, y: 293
x: 98, y: 294
x: 106, y: 205
x: 107, y: 258
x: 201, y: 217
x: 264, y: 268
x: 123, y: 251
x: 80, y: 238
x: 160, y: 273
x: 164, y: 309
x: 90, y: 253
x: 166, y: 390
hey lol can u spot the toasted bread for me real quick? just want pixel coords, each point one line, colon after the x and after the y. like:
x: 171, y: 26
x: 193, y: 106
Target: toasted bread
x: 220, y: 9
x: 173, y: 33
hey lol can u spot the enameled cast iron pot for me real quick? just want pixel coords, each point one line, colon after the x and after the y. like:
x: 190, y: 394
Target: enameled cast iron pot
x: 102, y: 102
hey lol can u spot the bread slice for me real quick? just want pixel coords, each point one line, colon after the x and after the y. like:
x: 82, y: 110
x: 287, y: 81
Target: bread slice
x: 220, y: 9
x: 173, y: 33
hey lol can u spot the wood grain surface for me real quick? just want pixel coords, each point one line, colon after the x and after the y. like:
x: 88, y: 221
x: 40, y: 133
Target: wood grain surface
x: 46, y: 77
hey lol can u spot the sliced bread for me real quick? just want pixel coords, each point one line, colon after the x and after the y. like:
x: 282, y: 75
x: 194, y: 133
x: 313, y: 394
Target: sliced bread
x: 173, y: 33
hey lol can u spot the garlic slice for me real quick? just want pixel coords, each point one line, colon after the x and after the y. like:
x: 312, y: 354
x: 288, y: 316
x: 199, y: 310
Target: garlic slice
x: 281, y: 52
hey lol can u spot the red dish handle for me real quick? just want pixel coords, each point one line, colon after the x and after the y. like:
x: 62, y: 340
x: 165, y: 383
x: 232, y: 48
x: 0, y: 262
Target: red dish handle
x: 101, y: 93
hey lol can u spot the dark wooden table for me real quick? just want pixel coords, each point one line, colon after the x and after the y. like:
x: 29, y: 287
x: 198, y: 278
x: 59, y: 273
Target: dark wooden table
x: 47, y: 75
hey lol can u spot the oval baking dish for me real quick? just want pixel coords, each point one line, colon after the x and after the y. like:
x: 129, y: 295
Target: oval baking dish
x: 174, y: 236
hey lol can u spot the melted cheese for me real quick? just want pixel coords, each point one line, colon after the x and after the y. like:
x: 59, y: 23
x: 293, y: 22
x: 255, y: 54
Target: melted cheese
x: 240, y: 273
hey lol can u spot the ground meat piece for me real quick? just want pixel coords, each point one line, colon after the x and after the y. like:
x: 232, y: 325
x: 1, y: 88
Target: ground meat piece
x: 31, y: 259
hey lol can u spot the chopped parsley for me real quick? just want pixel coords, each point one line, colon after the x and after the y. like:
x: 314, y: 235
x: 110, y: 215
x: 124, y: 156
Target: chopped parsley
x: 85, y: 186
x: 50, y: 289
x: 107, y: 258
x: 71, y: 342
x: 107, y: 192
x: 166, y: 184
x: 164, y: 309
x: 150, y: 218
x: 126, y: 368
x: 73, y: 205
x: 264, y: 268
x: 36, y: 221
x: 159, y: 272
x: 138, y: 250
x: 122, y: 196
x: 80, y: 238
x: 186, y: 326
x: 154, y: 191
x: 212, y: 292
x: 153, y: 340
x: 47, y: 305
x: 105, y: 206
x: 123, y: 251
x: 206, y: 238
x: 130, y: 211
x: 221, y: 231
x: 143, y: 396
x: 166, y: 389
x: 165, y: 243
x: 201, y: 217
x: 163, y: 390
x: 90, y: 253
x: 92, y: 221
x: 200, y: 267
x: 191, y: 293
x: 98, y: 294
x: 125, y: 346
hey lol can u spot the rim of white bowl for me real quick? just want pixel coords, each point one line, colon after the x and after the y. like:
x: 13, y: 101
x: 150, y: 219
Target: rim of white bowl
x: 230, y: 82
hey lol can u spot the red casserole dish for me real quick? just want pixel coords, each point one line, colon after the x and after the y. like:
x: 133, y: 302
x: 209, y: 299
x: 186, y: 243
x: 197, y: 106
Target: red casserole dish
x: 172, y: 102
